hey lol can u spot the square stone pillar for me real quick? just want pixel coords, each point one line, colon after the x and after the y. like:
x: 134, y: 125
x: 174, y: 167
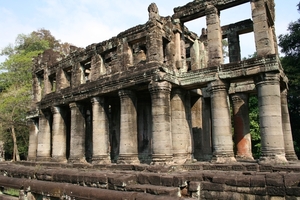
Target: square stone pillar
x: 97, y: 67
x: 262, y: 25
x: 270, y: 119
x: 197, y: 128
x: 214, y: 36
x: 162, y: 147
x: 59, y: 135
x: 77, y: 143
x: 181, y: 132
x: 286, y: 128
x: 242, y: 137
x: 47, y: 83
x: 234, y: 46
x: 101, y: 145
x: 62, y: 81
x: 221, y: 123
x: 36, y: 89
x: 33, y: 139
x: 207, y: 146
x: 44, y: 137
x: 154, y: 39
x: 128, y: 130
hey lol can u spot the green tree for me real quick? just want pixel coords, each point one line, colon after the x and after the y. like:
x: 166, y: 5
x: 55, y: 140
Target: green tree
x: 254, y: 126
x: 15, y: 88
x: 290, y: 46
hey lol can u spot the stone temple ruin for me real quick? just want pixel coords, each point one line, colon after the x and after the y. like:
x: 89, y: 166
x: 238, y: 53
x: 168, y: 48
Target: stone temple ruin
x: 158, y: 93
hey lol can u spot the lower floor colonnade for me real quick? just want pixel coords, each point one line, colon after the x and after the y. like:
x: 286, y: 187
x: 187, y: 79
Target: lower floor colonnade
x: 165, y: 124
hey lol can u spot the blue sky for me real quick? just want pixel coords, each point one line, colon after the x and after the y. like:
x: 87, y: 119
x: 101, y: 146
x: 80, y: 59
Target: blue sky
x: 83, y: 22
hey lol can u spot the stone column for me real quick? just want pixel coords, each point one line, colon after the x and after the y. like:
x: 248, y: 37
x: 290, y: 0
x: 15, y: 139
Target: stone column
x: 44, y: 137
x: 262, y: 31
x: 77, y: 140
x: 234, y: 47
x: 270, y: 120
x: 162, y: 148
x: 221, y: 123
x: 59, y: 135
x: 241, y: 120
x: 286, y: 128
x: 178, y: 60
x: 181, y: 135
x: 33, y: 136
x: 214, y: 36
x: 101, y: 146
x: 128, y: 130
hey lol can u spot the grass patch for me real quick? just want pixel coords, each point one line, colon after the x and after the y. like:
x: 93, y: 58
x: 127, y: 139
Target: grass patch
x: 11, y: 192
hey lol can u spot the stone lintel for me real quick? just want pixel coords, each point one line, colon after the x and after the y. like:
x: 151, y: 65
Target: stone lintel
x: 196, y: 9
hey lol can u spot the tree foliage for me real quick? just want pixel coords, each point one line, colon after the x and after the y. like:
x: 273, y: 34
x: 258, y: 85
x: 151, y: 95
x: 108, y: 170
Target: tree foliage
x: 15, y: 88
x: 290, y: 46
x: 254, y: 126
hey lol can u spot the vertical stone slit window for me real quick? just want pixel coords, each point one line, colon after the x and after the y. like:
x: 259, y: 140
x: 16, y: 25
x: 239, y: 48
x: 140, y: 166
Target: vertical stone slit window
x: 110, y: 58
x: 165, y: 50
x: 52, y: 79
x: 188, y: 55
x: 86, y: 72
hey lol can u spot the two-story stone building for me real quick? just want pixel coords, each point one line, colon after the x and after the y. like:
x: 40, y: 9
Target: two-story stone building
x: 158, y: 93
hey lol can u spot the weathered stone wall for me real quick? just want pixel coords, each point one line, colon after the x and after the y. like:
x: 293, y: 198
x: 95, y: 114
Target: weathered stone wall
x: 202, y: 181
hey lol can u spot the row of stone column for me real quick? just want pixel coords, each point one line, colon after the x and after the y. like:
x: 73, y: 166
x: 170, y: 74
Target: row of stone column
x: 48, y: 141
x: 172, y: 139
x: 275, y: 129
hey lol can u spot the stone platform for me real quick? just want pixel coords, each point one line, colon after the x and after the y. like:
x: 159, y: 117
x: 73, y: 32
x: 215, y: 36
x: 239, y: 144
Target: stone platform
x: 201, y: 180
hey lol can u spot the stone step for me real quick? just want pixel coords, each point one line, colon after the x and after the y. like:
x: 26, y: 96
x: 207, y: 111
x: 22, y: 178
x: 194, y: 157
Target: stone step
x: 155, y: 190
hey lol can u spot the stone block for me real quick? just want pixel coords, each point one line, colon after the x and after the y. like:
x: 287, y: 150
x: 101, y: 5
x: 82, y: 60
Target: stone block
x: 275, y: 191
x: 291, y: 198
x: 223, y: 167
x: 258, y: 191
x: 159, y: 190
x: 258, y: 181
x: 212, y: 186
x: 293, y: 191
x: 274, y: 179
x: 121, y: 181
x: 292, y: 179
x: 208, y: 176
x: 245, y: 190
x: 143, y: 196
x: 149, y: 178
x: 194, y: 176
x: 96, y: 178
x: 265, y: 168
x: 237, y: 167
x: 243, y: 181
x: 180, y: 180
x: 167, y: 180
x: 225, y: 179
x: 194, y: 186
